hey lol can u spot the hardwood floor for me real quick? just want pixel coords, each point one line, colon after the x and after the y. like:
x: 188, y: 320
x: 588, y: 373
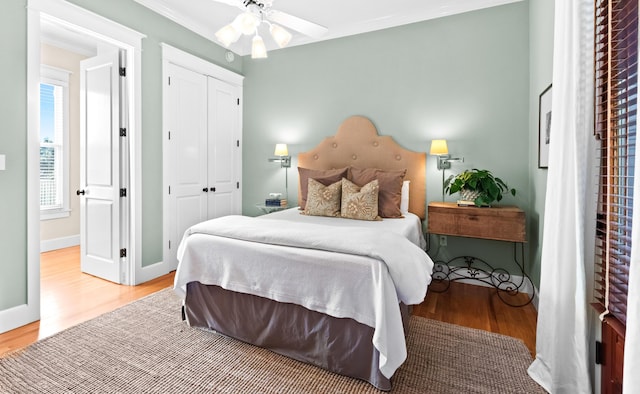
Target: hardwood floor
x: 480, y: 307
x: 69, y: 297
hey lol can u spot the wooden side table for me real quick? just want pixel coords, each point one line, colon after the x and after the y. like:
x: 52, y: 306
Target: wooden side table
x: 501, y: 223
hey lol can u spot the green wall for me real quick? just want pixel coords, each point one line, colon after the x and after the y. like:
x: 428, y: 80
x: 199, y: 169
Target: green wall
x: 541, y: 16
x: 464, y: 78
x: 13, y: 210
x: 13, y: 144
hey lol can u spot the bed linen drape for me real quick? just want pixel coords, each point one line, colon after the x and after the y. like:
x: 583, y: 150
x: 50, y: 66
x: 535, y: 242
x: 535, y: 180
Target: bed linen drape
x: 562, y: 359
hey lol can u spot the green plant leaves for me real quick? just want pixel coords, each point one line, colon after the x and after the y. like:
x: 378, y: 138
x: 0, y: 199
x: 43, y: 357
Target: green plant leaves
x: 490, y: 187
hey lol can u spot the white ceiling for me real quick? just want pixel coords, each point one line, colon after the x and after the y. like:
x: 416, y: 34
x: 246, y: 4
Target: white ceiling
x: 341, y: 17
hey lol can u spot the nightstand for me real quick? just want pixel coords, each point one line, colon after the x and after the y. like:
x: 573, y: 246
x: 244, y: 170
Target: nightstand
x: 500, y: 223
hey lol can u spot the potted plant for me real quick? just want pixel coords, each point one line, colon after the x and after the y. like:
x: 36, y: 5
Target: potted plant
x: 477, y: 186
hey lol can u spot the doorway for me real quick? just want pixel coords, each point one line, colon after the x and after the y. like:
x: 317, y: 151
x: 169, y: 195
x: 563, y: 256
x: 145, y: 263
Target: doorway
x: 90, y: 24
x: 75, y: 142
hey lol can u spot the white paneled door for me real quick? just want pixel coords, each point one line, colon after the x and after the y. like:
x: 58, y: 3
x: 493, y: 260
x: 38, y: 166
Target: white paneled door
x: 100, y: 166
x: 223, y: 148
x: 202, y: 152
x: 187, y: 153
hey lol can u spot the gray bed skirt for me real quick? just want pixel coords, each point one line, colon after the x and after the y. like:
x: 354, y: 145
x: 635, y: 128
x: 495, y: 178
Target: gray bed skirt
x: 340, y: 345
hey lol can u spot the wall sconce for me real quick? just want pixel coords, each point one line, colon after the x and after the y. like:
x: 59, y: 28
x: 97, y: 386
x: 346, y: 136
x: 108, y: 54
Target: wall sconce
x: 439, y: 148
x: 282, y: 156
x: 282, y: 153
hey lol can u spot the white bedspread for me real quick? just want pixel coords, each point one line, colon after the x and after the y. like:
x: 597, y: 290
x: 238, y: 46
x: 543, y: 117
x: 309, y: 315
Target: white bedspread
x: 352, y: 272
x: 409, y: 227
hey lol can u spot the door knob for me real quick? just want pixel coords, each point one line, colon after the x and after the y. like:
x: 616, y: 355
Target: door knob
x: 79, y: 192
x: 212, y: 189
x: 205, y: 190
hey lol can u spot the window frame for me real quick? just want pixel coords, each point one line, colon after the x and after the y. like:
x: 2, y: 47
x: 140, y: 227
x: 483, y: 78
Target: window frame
x: 59, y: 77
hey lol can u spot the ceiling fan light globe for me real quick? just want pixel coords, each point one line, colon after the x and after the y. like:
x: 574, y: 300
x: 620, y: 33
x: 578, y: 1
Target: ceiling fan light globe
x: 228, y: 35
x: 280, y: 35
x: 246, y: 23
x: 258, y: 50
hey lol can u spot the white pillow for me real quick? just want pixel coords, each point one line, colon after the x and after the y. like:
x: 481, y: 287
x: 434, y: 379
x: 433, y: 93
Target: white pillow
x: 404, y: 197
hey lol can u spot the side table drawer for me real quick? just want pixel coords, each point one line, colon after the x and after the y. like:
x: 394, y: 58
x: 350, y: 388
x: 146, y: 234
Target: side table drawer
x: 499, y: 223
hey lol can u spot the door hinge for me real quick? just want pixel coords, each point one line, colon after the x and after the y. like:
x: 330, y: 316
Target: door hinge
x: 169, y: 244
x: 123, y: 132
x: 238, y: 101
x: 169, y: 189
x: 598, y: 352
x: 123, y: 71
x: 169, y: 135
x: 169, y: 80
x: 238, y: 143
x: 123, y: 252
x: 237, y: 185
x: 123, y: 192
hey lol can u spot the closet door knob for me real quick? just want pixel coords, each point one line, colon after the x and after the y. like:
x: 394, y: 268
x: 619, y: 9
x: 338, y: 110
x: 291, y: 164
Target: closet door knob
x: 212, y: 189
x: 205, y: 190
x: 79, y: 192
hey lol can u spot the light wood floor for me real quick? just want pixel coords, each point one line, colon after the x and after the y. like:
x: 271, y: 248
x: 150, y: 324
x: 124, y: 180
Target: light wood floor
x: 69, y: 297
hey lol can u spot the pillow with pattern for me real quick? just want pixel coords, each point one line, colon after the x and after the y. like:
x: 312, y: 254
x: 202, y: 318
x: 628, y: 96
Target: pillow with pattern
x: 359, y: 202
x: 323, y: 200
x: 326, y: 177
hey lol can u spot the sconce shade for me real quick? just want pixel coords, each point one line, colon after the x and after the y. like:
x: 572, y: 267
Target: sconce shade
x: 439, y: 147
x: 281, y: 150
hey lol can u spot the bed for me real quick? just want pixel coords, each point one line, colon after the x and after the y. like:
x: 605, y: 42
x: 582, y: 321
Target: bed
x: 328, y: 291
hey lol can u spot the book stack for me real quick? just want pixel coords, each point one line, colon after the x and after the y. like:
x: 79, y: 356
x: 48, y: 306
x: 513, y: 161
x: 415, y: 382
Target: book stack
x: 272, y: 202
x: 467, y: 203
x: 275, y: 200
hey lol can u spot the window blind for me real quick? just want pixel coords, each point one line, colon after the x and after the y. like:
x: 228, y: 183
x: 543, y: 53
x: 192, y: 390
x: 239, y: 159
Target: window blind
x: 616, y: 67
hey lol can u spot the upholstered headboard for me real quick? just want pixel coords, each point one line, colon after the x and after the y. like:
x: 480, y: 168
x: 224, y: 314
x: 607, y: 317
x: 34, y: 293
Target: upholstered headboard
x: 358, y: 144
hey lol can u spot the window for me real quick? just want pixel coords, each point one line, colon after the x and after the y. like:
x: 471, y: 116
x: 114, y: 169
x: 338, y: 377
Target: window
x: 54, y: 143
x: 616, y: 91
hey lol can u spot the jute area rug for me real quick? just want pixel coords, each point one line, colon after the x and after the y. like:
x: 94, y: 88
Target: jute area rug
x: 144, y: 347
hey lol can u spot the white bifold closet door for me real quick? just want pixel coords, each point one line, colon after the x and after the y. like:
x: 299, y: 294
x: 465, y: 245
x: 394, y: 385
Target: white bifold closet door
x: 203, y: 152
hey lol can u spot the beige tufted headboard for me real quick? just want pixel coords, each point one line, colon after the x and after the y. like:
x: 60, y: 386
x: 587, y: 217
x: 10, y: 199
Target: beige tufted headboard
x: 358, y: 144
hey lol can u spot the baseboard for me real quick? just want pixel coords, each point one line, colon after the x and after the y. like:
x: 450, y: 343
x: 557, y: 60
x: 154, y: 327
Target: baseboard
x: 59, y: 243
x: 527, y: 286
x: 18, y: 316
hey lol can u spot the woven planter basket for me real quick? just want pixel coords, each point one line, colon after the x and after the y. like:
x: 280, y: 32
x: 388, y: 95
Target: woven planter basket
x: 469, y: 195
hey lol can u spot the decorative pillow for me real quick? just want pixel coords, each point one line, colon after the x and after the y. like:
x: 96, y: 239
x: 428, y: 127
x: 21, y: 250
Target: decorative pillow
x: 326, y: 177
x: 390, y: 183
x: 323, y: 200
x: 360, y: 202
x: 404, y: 199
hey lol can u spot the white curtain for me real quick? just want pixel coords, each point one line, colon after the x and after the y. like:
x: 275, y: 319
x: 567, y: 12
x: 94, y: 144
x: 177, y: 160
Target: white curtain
x: 631, y: 382
x: 562, y: 350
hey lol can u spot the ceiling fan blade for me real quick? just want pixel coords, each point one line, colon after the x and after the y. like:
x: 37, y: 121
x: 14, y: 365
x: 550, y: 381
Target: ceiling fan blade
x: 298, y: 24
x: 233, y: 3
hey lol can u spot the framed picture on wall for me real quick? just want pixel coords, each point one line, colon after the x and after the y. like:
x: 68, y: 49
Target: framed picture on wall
x: 544, y: 127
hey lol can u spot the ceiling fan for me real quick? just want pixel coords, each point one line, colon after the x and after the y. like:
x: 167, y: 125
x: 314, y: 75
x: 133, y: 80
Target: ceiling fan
x: 257, y: 12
